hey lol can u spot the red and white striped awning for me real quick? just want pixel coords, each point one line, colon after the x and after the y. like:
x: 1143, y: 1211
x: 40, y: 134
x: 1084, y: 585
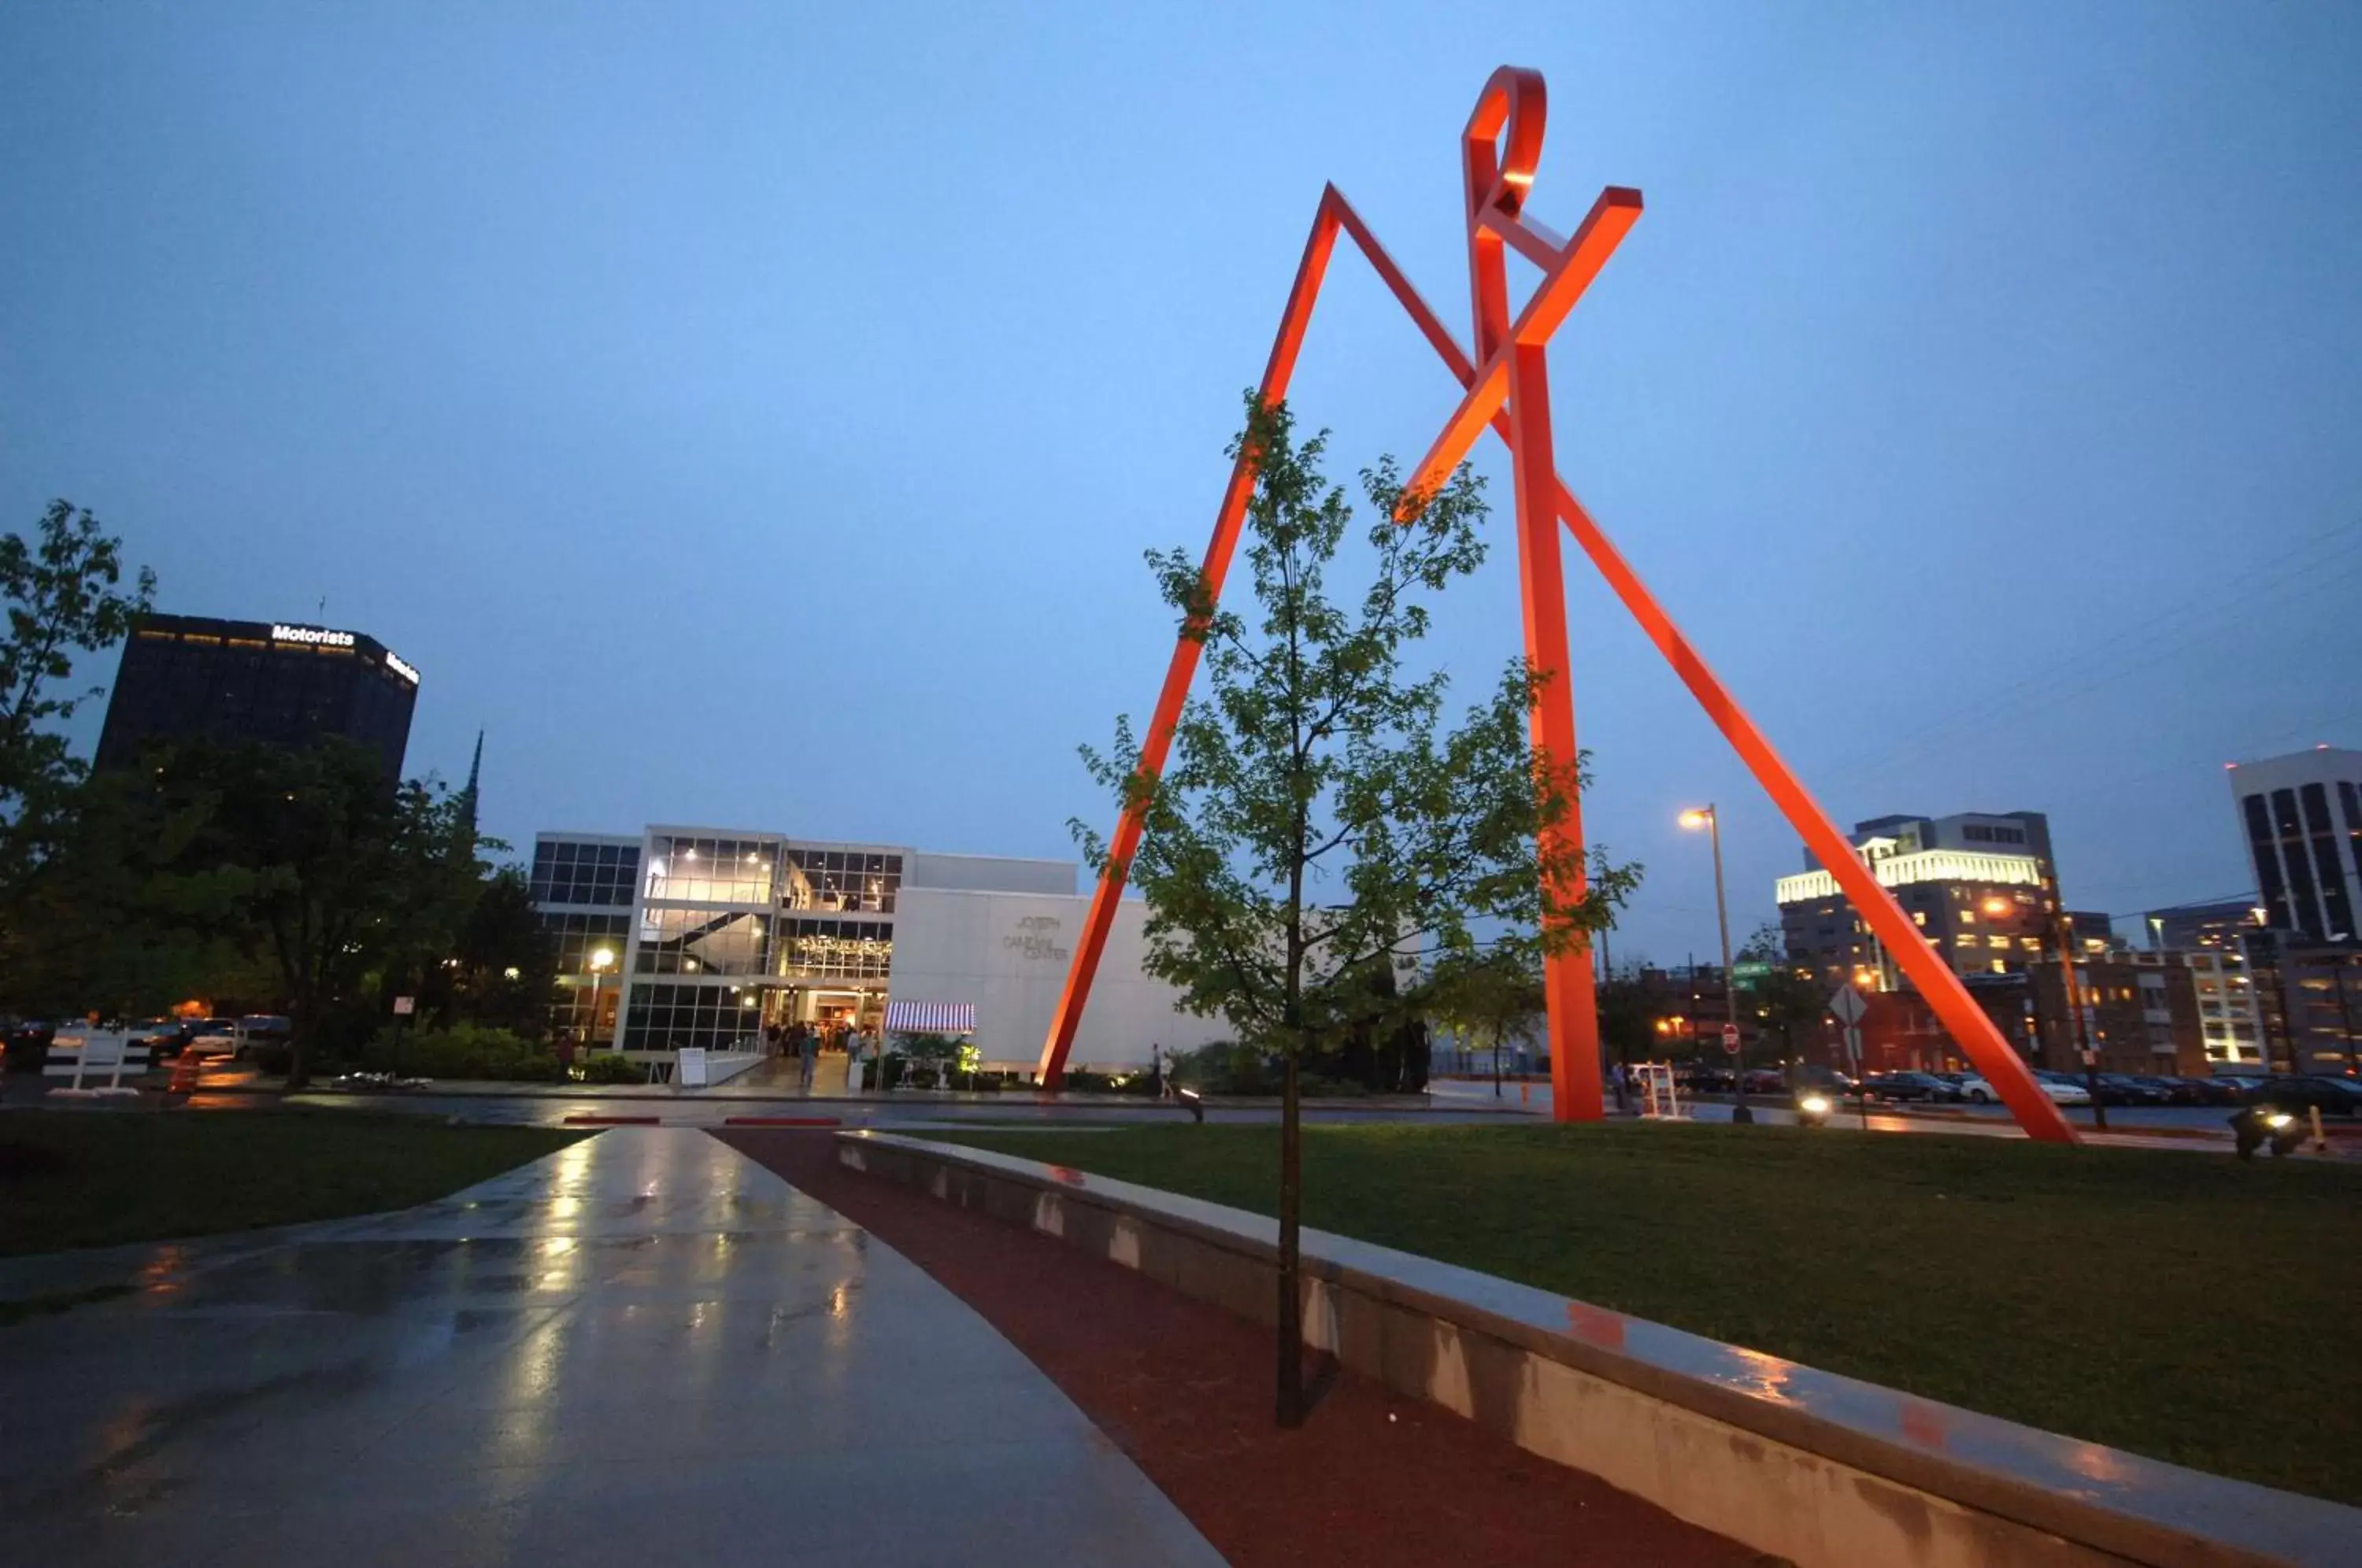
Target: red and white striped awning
x: 931, y: 1017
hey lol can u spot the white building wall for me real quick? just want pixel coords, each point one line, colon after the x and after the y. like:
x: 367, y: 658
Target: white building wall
x: 989, y: 872
x: 1008, y: 953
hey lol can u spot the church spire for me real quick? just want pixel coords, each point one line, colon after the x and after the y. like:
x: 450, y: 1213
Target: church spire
x: 467, y: 795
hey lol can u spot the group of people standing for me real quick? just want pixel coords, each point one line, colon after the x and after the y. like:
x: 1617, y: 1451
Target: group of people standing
x: 805, y: 1042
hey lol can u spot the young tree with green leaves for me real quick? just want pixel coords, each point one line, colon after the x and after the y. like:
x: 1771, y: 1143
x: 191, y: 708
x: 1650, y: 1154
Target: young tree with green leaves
x: 1321, y: 820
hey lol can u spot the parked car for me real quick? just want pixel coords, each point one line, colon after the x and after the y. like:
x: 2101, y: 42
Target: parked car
x: 2305, y: 1091
x: 2060, y: 1089
x: 2190, y: 1091
x: 213, y: 1037
x: 1766, y: 1080
x: 1812, y: 1075
x: 1976, y: 1091
x: 2216, y: 1091
x: 259, y: 1031
x: 2124, y: 1089
x: 164, y: 1037
x: 1908, y: 1085
x: 28, y: 1045
x: 2064, y: 1089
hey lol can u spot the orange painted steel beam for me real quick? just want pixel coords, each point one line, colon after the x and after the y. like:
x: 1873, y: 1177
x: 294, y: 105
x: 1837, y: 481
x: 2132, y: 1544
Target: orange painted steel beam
x: 1499, y: 152
x: 1968, y: 1023
x: 1158, y: 743
x: 1497, y: 218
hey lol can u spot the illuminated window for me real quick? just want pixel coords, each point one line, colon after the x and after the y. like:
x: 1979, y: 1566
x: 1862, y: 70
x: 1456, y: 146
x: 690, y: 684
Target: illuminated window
x: 2002, y: 942
x: 1968, y: 917
x: 1919, y: 917
x: 1999, y: 967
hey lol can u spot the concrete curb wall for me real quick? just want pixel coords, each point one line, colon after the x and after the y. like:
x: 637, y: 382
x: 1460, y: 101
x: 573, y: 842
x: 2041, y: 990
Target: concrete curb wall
x: 1823, y: 1470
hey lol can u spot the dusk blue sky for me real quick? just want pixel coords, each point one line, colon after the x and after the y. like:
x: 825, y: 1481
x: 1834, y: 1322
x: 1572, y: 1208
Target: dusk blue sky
x: 754, y: 415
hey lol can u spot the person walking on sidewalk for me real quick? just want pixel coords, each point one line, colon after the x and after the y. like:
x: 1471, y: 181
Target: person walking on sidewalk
x: 808, y: 1049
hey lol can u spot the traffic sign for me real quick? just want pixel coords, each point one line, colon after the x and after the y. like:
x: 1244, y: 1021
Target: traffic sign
x: 1731, y: 1038
x: 1746, y: 971
x: 404, y: 1006
x: 1847, y: 1003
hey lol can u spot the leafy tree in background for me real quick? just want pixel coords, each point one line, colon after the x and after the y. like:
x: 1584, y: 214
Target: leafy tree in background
x: 1488, y: 994
x: 61, y: 593
x: 1627, y: 1021
x: 341, y: 872
x: 1321, y: 823
x: 1787, y: 1004
x: 111, y: 919
x: 505, y: 963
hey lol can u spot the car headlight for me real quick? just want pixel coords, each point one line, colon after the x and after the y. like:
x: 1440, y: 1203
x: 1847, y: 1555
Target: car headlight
x: 2277, y: 1119
x: 1814, y: 1105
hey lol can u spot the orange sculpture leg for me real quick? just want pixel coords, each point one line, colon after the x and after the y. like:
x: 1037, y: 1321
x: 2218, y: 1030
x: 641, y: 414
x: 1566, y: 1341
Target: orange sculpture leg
x: 1158, y: 743
x: 1507, y: 387
x: 1499, y: 150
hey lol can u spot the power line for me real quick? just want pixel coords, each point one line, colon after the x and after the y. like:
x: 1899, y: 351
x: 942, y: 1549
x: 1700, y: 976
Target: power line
x: 2046, y: 690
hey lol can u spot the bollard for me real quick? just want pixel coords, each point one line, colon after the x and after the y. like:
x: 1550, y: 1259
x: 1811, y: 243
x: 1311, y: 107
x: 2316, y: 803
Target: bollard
x: 2320, y: 1137
x: 1524, y: 1091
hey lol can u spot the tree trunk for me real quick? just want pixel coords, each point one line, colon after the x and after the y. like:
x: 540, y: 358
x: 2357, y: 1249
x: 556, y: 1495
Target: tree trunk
x: 1291, y: 1192
x: 299, y: 1043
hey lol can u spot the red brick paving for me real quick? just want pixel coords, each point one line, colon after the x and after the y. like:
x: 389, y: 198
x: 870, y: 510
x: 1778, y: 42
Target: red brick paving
x: 1186, y: 1390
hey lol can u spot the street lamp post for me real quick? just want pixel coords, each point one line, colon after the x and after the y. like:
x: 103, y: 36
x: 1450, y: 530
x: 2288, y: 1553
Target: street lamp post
x: 2079, y: 1031
x: 601, y: 962
x: 1709, y: 819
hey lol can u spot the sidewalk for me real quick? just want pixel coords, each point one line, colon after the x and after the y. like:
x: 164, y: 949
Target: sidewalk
x: 643, y: 1349
x: 1186, y: 1390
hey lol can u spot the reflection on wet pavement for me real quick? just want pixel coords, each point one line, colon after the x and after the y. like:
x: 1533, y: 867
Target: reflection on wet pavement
x: 643, y: 1346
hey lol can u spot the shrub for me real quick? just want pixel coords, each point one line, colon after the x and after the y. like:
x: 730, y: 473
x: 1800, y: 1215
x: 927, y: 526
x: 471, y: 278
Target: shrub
x: 613, y: 1068
x: 1109, y: 1083
x: 1224, y: 1067
x: 461, y: 1052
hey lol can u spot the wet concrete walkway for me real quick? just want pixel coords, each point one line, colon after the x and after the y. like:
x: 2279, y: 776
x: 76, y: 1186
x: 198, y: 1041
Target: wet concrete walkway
x: 645, y: 1348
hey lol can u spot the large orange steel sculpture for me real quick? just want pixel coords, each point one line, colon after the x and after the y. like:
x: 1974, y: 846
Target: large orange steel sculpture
x: 1507, y: 388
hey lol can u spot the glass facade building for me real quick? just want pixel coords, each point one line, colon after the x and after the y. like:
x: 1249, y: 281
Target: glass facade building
x: 583, y: 887
x: 712, y: 937
x: 187, y: 678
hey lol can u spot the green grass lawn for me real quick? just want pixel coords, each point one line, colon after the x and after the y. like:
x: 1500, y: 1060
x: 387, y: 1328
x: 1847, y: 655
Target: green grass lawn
x: 2181, y: 1306
x: 90, y: 1179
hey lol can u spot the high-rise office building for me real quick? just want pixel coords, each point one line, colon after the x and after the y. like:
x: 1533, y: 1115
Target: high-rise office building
x: 188, y: 677
x: 2301, y: 817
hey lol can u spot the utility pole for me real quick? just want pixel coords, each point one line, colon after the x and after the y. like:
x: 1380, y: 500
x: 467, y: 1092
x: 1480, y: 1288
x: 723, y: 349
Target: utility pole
x: 1711, y: 820
x: 2079, y: 1034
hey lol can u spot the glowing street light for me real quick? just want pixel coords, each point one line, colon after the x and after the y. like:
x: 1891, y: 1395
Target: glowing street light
x: 1998, y: 906
x: 601, y: 962
x: 1706, y: 817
